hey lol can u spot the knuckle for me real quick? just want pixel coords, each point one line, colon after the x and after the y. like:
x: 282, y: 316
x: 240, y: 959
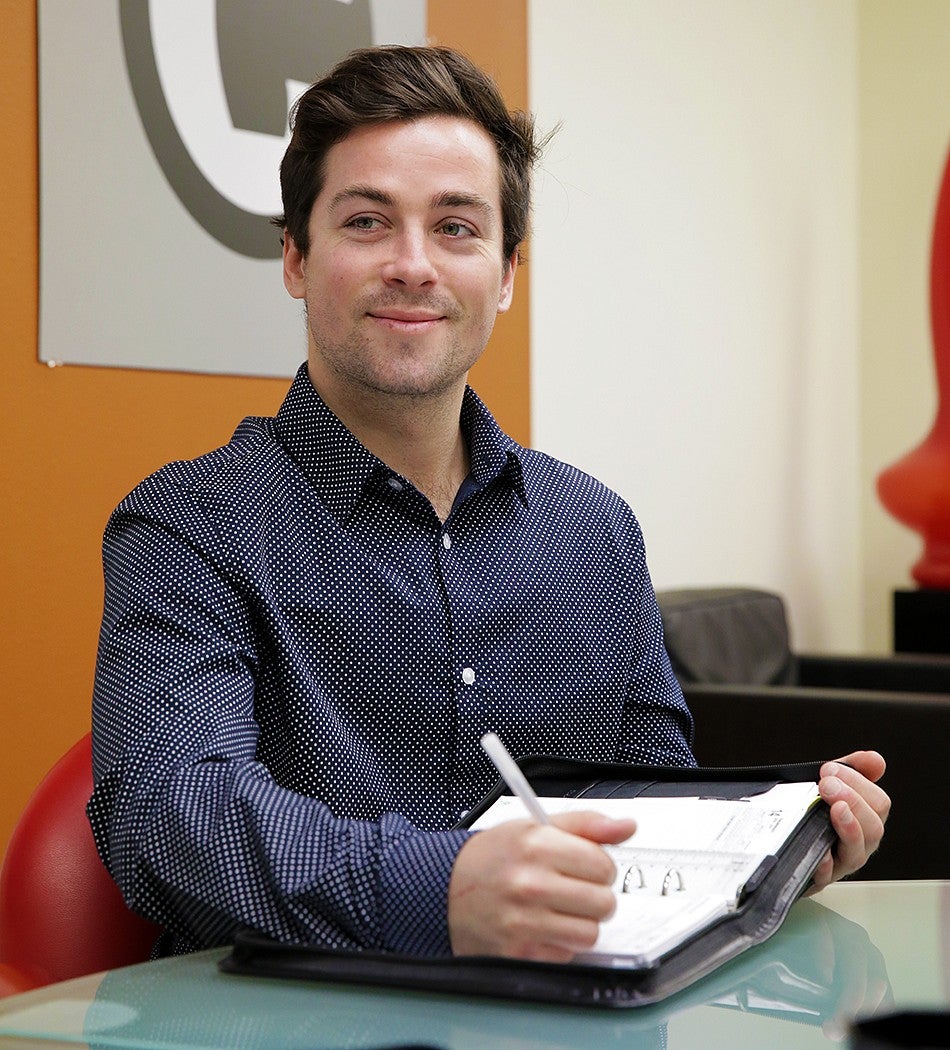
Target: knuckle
x: 520, y: 939
x: 525, y: 887
x: 609, y: 905
x: 533, y: 845
x: 609, y: 898
x: 586, y: 936
x: 608, y: 870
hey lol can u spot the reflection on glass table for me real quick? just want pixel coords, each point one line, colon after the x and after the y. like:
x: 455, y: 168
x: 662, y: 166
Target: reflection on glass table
x: 799, y: 989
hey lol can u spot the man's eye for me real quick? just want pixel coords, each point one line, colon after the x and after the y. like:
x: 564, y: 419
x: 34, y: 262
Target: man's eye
x: 457, y: 229
x: 364, y: 222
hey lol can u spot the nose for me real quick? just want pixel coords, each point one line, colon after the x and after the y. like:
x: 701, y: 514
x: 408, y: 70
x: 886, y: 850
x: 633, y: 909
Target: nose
x: 410, y: 263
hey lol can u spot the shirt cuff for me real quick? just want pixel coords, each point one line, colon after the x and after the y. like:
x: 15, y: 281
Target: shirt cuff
x: 415, y: 892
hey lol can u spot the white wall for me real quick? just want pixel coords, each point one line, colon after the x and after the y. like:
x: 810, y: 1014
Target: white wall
x: 694, y: 285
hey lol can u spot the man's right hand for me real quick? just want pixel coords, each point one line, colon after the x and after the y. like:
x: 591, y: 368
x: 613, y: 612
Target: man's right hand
x: 533, y: 891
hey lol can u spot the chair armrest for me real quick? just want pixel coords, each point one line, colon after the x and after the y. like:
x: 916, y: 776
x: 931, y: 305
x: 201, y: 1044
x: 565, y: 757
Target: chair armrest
x: 756, y: 725
x: 907, y: 673
x: 15, y: 979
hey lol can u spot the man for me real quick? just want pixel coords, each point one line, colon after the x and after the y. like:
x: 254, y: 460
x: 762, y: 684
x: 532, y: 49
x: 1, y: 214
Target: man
x: 307, y: 632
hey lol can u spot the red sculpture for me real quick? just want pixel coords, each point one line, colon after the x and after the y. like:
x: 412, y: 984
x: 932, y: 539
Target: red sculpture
x: 916, y: 489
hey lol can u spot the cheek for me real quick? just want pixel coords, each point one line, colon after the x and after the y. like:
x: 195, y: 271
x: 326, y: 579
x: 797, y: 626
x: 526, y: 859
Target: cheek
x: 343, y: 285
x: 330, y: 294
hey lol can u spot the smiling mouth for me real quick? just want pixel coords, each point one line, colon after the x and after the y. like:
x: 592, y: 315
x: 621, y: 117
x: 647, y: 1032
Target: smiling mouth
x: 406, y: 322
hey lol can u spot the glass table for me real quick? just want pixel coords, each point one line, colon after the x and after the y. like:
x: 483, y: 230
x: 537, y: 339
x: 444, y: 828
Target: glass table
x: 858, y: 949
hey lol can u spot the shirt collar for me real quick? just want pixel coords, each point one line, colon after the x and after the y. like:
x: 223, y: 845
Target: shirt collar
x: 492, y: 453
x: 340, y: 468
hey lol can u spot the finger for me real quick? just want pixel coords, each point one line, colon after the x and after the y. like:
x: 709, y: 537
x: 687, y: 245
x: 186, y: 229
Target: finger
x: 869, y: 763
x: 536, y: 886
x: 574, y: 897
x: 596, y: 826
x: 569, y: 932
x: 875, y: 796
x: 868, y: 804
x: 852, y: 849
x: 534, y: 933
x: 558, y: 850
x: 574, y: 858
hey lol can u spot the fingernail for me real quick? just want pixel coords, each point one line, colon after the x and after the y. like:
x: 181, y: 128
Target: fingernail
x: 832, y: 786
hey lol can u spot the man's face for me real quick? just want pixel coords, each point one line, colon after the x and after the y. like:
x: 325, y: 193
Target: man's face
x: 405, y: 275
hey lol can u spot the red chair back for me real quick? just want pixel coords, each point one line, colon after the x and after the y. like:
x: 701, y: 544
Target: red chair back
x: 61, y: 915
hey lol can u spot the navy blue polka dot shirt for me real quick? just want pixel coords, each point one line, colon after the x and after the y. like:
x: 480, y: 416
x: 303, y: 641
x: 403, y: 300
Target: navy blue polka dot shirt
x: 298, y: 659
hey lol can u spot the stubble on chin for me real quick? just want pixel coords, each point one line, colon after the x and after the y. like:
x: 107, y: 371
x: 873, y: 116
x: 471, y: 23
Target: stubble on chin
x: 364, y: 368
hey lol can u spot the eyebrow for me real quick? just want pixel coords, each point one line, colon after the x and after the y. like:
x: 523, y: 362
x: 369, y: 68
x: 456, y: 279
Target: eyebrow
x: 447, y: 199
x: 451, y: 199
x: 367, y: 193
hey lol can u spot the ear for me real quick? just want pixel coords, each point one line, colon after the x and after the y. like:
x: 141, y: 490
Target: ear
x: 508, y: 283
x: 295, y: 268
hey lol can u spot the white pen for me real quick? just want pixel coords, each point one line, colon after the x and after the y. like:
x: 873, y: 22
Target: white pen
x: 513, y: 776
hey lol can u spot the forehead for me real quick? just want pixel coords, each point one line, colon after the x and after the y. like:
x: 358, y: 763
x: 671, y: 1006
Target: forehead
x: 430, y: 155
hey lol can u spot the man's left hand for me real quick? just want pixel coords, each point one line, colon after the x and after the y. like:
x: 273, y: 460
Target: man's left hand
x: 859, y: 809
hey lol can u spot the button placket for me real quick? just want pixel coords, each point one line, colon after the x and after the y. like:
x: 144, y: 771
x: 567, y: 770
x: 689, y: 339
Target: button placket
x: 468, y: 673
x: 467, y: 691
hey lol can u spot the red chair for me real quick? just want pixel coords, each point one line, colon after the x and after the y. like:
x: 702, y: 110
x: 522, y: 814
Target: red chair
x: 61, y: 915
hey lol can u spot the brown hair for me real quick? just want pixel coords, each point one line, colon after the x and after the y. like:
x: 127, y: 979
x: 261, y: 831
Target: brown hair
x: 382, y: 84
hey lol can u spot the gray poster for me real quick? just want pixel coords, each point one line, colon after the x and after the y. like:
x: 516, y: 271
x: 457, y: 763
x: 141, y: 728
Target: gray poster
x: 162, y: 125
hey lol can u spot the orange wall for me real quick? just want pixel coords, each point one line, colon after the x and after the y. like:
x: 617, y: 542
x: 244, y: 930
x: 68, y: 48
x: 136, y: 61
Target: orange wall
x: 77, y: 439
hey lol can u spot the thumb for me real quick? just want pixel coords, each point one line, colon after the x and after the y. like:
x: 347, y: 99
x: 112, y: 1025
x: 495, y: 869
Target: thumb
x: 595, y: 826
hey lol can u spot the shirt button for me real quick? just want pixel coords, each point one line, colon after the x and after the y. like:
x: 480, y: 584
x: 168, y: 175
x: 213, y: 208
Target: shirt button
x: 468, y: 676
x: 395, y: 484
x: 446, y: 540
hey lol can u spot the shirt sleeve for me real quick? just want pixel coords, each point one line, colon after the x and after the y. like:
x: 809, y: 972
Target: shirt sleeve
x: 657, y: 726
x: 196, y: 832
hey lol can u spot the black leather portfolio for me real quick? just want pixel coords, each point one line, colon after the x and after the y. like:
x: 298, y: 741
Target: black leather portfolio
x: 719, y: 857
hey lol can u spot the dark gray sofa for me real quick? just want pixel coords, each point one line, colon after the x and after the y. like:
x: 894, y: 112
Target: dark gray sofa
x: 756, y: 701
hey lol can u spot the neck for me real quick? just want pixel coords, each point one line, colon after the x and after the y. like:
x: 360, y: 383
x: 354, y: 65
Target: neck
x: 418, y: 437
